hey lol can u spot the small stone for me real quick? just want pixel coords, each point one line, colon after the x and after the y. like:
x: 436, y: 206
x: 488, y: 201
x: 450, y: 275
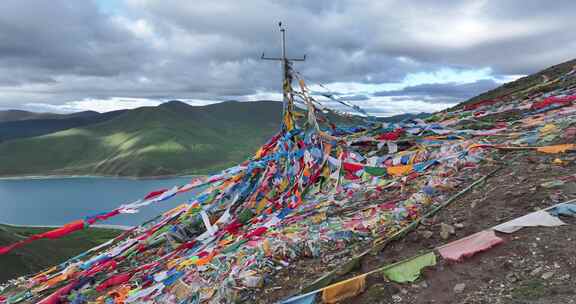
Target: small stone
x: 511, y: 277
x: 253, y: 281
x: 458, y: 288
x: 547, y: 275
x: 427, y: 234
x: 536, y: 271
x: 459, y: 225
x: 541, y: 167
x: 446, y: 230
x: 564, y: 277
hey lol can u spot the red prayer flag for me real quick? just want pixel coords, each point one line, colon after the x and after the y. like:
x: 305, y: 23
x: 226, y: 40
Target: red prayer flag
x: 353, y: 167
x: 256, y: 232
x: 115, y: 280
x: 64, y: 230
x: 155, y: 193
x: 57, y: 296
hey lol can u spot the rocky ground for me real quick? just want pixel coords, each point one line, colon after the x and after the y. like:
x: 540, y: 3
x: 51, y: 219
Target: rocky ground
x: 534, y: 265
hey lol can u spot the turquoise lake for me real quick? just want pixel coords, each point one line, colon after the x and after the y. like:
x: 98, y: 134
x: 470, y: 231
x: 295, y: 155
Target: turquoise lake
x: 56, y: 201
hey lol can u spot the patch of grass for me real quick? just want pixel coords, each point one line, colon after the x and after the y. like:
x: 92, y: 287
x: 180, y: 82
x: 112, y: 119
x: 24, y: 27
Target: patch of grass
x: 530, y: 290
x: 41, y: 254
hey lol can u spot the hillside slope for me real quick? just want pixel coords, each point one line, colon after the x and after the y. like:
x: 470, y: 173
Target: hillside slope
x: 45, y: 124
x: 44, y: 253
x: 173, y: 138
x: 533, y: 81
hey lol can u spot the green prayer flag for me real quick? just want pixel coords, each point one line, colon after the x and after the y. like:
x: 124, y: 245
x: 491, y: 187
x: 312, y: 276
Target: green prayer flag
x: 245, y: 216
x: 234, y: 246
x: 409, y: 270
x: 375, y: 171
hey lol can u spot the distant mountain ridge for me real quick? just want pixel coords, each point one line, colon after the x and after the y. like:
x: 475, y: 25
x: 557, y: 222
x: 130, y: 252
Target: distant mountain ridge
x: 45, y: 123
x: 19, y: 115
x: 173, y: 138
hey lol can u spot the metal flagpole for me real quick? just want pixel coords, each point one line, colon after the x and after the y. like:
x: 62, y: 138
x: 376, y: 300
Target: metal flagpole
x: 286, y: 75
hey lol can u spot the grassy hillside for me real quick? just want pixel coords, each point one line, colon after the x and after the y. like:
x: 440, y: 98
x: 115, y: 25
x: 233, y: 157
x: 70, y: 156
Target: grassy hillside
x: 36, y: 126
x: 173, y: 138
x: 521, y: 84
x: 45, y: 253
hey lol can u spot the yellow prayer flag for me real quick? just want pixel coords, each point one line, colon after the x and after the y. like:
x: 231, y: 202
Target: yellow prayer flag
x: 343, y: 290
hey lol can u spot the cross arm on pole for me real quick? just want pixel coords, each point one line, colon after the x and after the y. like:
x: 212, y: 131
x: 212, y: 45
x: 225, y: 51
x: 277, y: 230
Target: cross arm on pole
x: 263, y: 57
x: 297, y: 59
x: 284, y: 57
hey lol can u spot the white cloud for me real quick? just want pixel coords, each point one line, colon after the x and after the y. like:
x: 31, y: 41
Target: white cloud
x: 448, y: 75
x: 98, y: 105
x: 109, y: 104
x: 385, y: 106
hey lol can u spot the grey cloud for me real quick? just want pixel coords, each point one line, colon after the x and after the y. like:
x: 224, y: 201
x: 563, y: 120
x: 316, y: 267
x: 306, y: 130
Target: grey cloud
x: 445, y: 92
x: 355, y: 98
x: 62, y: 50
x: 65, y: 38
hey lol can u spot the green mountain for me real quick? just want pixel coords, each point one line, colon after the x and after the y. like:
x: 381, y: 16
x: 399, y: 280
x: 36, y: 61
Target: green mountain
x: 173, y: 138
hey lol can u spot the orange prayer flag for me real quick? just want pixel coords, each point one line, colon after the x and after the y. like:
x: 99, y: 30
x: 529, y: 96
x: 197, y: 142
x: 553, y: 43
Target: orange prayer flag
x: 55, y: 280
x: 399, y: 170
x: 205, y: 260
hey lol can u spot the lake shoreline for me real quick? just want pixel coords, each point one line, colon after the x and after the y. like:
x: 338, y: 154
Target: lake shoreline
x: 58, y: 200
x: 41, y: 177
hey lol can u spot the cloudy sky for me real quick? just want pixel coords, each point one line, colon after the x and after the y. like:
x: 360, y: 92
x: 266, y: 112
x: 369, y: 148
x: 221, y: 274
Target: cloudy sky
x: 388, y: 57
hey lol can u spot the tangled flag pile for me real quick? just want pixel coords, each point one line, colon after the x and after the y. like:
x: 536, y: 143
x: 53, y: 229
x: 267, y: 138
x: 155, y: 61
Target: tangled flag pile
x: 314, y: 189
